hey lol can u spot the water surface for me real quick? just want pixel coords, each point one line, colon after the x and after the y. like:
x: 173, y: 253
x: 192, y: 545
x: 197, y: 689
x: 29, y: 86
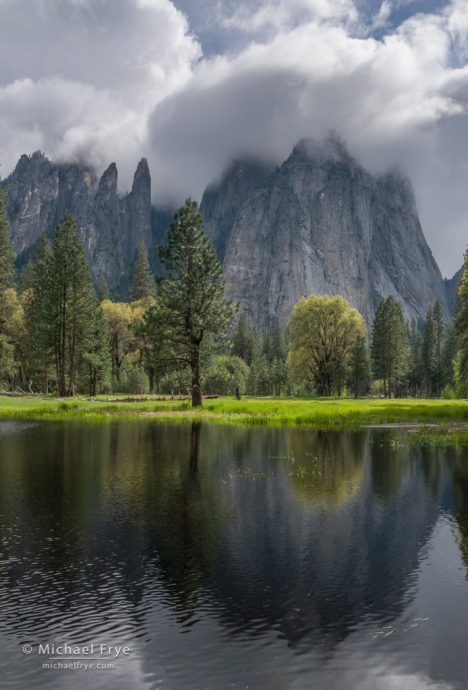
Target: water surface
x: 227, y: 558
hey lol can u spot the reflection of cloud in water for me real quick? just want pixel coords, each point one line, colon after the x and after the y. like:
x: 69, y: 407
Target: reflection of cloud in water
x: 197, y: 547
x: 9, y: 428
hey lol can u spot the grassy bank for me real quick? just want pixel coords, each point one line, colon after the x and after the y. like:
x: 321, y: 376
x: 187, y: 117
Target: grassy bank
x: 318, y: 413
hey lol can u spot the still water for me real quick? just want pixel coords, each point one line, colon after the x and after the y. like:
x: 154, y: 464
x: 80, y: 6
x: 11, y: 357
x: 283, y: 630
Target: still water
x: 269, y: 559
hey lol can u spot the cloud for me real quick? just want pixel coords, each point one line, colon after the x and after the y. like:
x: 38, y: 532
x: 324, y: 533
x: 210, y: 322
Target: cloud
x: 79, y: 77
x: 104, y: 80
x: 399, y: 101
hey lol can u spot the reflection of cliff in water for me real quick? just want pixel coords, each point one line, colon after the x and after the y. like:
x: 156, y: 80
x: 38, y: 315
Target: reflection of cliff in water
x: 225, y: 516
x: 457, y: 461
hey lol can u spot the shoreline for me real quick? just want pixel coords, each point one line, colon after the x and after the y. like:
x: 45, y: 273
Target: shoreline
x: 318, y: 413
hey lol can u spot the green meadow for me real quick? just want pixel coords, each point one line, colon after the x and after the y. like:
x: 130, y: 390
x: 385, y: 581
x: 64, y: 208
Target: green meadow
x: 343, y: 413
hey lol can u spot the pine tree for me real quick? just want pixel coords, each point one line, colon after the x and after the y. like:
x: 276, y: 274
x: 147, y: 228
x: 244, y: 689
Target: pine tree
x: 359, y: 368
x: 448, y: 357
x: 143, y: 283
x: 390, y: 346
x: 97, y: 356
x: 7, y: 269
x: 416, y: 369
x: 70, y: 304
x: 461, y: 326
x: 38, y: 325
x: 192, y: 311
x: 243, y: 341
x: 438, y: 348
x: 7, y: 349
x: 428, y: 352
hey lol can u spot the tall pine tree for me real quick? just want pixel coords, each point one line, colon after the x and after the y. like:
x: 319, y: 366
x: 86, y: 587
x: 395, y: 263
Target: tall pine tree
x: 192, y: 311
x: 390, y: 347
x: 461, y: 326
x: 37, y: 313
x: 70, y: 304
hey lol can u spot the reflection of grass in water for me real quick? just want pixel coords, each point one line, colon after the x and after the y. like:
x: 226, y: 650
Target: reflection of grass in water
x: 318, y: 412
x: 432, y: 438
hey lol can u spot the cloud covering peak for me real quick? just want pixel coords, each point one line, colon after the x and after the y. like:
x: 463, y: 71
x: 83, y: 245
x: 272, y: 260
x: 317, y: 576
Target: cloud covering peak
x: 117, y: 79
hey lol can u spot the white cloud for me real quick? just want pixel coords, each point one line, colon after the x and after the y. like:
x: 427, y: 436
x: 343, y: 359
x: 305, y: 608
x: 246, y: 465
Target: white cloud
x: 394, y: 101
x: 116, y: 79
x: 284, y: 14
x: 79, y: 77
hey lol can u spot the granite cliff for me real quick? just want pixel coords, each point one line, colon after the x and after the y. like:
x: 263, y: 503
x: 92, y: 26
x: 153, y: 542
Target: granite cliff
x: 110, y: 226
x: 320, y: 224
x: 317, y: 224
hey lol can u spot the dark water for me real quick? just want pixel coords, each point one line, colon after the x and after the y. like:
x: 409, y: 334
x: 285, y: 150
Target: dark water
x: 231, y: 558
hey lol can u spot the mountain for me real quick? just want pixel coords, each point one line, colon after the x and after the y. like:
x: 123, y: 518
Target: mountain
x: 451, y: 286
x: 110, y: 226
x: 317, y: 224
x: 320, y: 224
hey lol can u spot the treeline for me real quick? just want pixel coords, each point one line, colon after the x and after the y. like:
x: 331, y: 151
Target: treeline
x: 179, y: 335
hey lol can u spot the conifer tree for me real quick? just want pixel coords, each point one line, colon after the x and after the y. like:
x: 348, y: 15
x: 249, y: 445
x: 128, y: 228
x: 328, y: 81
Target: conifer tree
x: 243, y: 341
x: 461, y: 326
x: 192, y: 311
x: 37, y: 313
x: 438, y: 348
x: 416, y: 370
x: 428, y: 352
x: 390, y: 346
x: 143, y: 283
x: 359, y: 368
x: 98, y: 353
x: 70, y: 304
x: 7, y: 269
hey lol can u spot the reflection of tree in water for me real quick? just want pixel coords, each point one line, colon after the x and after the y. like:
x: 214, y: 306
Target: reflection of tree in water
x: 389, y: 465
x: 185, y: 513
x: 326, y: 468
x: 457, y: 460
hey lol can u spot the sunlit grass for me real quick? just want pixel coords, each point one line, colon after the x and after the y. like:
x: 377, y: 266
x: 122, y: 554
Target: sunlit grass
x: 317, y: 412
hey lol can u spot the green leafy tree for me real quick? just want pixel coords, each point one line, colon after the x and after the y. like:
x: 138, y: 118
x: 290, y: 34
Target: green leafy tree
x: 226, y: 375
x: 70, y: 304
x: 124, y: 321
x: 192, y: 312
x: 323, y: 332
x: 7, y: 360
x: 390, y: 350
x: 143, y: 283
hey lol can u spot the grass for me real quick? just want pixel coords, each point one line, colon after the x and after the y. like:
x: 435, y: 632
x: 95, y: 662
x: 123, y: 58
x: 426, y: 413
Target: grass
x: 318, y: 412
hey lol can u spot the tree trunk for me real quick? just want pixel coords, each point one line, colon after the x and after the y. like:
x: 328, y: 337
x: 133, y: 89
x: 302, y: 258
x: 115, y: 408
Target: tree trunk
x: 196, y: 384
x: 194, y: 447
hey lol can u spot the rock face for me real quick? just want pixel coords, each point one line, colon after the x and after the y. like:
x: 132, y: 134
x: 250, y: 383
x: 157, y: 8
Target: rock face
x: 110, y: 226
x: 451, y: 286
x: 320, y: 224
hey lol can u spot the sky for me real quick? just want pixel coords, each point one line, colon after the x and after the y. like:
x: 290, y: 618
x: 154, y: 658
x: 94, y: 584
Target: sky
x: 193, y: 84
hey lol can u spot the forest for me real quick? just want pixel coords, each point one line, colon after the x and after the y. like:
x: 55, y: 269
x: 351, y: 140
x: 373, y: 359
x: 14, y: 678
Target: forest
x: 178, y: 335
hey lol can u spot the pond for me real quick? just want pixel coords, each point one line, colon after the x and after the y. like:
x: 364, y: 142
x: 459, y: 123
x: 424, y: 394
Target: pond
x: 227, y: 557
